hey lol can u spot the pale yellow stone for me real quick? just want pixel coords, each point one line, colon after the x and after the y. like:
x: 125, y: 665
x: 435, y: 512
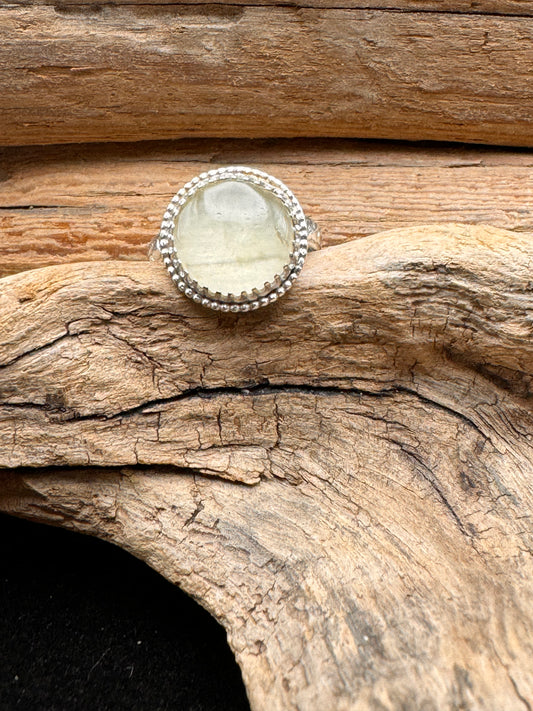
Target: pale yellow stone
x: 233, y: 236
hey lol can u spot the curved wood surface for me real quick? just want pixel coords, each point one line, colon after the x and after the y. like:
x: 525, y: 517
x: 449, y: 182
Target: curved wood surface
x: 345, y: 480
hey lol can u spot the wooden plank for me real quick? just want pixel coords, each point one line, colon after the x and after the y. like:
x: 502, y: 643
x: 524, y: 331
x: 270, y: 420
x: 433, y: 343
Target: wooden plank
x: 130, y: 72
x: 64, y: 204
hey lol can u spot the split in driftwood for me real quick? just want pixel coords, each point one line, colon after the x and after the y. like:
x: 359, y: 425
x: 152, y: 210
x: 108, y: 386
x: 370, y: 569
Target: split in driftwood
x: 344, y: 479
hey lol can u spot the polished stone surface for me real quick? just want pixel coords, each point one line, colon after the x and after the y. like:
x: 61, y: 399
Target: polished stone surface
x: 233, y: 236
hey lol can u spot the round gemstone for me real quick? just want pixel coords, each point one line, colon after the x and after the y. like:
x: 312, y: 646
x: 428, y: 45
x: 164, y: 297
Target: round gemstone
x: 233, y: 236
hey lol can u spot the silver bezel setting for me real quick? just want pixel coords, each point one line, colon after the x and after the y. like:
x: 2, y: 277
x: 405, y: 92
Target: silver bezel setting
x: 246, y: 301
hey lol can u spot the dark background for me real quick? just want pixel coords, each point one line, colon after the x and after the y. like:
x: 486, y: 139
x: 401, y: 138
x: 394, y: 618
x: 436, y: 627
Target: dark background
x: 84, y: 625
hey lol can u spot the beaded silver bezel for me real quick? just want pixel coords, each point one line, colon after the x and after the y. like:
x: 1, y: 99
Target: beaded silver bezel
x: 246, y: 301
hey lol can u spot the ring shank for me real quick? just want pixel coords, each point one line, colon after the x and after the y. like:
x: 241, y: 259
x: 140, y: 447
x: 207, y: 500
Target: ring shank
x: 314, y: 236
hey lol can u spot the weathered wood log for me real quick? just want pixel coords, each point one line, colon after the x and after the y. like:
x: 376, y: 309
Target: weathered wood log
x: 114, y: 71
x: 516, y: 8
x: 345, y: 480
x: 65, y: 203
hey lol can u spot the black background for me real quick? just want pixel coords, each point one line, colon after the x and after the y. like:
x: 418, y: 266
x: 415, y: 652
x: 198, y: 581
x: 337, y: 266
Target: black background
x: 84, y: 625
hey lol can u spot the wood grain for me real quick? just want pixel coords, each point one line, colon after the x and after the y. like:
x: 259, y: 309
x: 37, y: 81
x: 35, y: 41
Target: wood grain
x: 66, y: 204
x: 516, y: 8
x: 99, y: 72
x: 344, y: 480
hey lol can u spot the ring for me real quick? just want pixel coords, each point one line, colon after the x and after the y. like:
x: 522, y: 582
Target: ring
x: 234, y: 239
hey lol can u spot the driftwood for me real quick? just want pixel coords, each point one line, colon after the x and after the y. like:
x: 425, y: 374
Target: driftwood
x: 516, y: 8
x: 72, y: 203
x: 344, y: 480
x: 99, y: 71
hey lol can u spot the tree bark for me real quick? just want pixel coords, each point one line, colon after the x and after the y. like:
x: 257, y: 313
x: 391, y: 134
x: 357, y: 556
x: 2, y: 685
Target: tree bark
x: 344, y: 479
x: 139, y: 71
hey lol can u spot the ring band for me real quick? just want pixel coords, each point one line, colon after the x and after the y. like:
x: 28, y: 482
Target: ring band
x: 235, y: 239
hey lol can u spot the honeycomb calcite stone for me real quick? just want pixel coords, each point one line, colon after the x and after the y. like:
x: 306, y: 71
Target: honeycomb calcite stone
x: 233, y: 236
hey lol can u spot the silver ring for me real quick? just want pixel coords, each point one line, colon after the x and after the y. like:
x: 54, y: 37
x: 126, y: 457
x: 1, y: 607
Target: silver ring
x: 234, y: 239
